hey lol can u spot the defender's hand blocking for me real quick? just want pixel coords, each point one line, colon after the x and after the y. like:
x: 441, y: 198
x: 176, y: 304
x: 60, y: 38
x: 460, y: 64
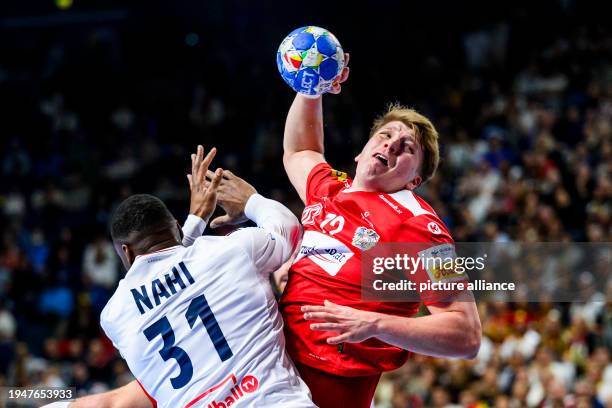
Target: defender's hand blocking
x: 337, y: 85
x: 233, y: 194
x: 203, y: 193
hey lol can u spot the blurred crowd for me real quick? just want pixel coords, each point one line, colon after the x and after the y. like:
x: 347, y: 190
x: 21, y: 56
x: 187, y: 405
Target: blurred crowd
x: 526, y: 156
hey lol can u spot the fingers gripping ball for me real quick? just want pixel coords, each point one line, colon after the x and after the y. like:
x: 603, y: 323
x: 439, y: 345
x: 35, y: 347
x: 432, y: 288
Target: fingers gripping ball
x: 309, y: 59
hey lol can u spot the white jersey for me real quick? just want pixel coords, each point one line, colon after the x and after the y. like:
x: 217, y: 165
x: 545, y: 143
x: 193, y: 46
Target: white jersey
x: 199, y: 325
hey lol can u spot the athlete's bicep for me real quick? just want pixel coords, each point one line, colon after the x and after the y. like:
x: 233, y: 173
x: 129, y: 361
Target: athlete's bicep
x: 298, y: 166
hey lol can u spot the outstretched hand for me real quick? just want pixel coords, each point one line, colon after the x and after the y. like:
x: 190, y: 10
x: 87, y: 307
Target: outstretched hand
x: 337, y: 84
x: 353, y: 325
x: 233, y: 194
x: 203, y: 192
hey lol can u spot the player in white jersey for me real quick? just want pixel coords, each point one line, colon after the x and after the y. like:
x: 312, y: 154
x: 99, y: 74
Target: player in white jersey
x: 198, y: 325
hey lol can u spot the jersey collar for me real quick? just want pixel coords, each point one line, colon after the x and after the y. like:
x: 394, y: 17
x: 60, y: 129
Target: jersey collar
x: 169, y: 249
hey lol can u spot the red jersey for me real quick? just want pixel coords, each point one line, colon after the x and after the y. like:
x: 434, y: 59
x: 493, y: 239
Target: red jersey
x: 338, y: 226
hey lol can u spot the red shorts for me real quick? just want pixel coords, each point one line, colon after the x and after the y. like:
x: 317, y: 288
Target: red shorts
x: 333, y: 391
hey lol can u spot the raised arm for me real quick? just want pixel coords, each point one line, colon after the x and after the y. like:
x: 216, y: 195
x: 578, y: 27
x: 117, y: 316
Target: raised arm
x: 203, y: 194
x: 274, y: 217
x: 241, y: 202
x: 303, y: 139
x: 279, y: 230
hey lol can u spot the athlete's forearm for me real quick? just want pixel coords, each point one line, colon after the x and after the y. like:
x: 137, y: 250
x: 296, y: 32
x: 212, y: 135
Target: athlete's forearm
x: 274, y: 217
x: 304, y: 126
x: 128, y: 396
x: 447, y: 334
x: 103, y: 400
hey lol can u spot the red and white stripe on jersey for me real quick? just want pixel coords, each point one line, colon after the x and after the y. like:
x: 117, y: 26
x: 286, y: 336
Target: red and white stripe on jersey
x: 408, y: 200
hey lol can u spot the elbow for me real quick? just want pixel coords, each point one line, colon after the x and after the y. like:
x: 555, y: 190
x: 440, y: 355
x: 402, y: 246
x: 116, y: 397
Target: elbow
x: 291, y: 229
x: 288, y: 219
x: 472, y: 341
x: 288, y: 157
x: 472, y: 349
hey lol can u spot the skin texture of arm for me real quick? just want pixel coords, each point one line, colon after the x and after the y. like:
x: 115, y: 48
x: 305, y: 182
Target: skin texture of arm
x: 203, y: 194
x: 451, y: 330
x: 303, y: 140
x: 128, y: 396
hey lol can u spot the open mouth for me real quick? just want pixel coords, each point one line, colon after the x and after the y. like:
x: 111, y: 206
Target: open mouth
x: 382, y: 159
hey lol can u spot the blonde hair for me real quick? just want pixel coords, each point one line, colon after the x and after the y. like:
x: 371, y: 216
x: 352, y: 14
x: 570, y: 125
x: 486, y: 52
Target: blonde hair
x: 425, y: 132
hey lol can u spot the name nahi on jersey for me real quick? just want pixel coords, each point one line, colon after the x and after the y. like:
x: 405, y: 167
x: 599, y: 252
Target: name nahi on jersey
x: 169, y: 286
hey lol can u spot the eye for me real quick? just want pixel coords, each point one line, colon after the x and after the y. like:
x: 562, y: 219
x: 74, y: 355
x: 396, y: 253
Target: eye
x: 405, y: 147
x: 408, y: 147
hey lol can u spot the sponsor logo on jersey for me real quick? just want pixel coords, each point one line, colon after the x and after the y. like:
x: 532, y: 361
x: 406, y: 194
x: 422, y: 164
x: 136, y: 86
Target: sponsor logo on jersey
x: 339, y: 175
x: 365, y: 238
x: 325, y: 251
x: 439, y: 263
x: 237, y: 390
x: 390, y: 204
x: 434, y: 228
x: 366, y: 217
x: 310, y: 212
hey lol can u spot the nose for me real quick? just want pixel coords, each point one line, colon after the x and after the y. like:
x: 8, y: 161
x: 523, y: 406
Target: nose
x: 393, y: 144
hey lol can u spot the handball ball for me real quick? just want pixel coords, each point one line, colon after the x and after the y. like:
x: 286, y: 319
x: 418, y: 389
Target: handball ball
x: 309, y: 59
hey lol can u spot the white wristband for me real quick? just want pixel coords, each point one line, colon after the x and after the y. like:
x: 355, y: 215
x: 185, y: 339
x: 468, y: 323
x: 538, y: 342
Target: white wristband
x: 193, y: 229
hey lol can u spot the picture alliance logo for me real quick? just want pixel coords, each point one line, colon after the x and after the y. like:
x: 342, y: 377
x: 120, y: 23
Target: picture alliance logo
x: 248, y: 385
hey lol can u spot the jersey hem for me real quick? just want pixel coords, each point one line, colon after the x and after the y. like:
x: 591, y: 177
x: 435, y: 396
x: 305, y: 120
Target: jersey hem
x: 333, y: 368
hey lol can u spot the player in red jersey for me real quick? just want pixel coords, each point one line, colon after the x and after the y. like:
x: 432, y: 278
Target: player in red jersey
x: 340, y: 343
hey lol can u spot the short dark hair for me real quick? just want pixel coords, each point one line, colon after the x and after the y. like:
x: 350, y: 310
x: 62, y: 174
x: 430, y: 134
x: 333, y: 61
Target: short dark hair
x: 140, y: 213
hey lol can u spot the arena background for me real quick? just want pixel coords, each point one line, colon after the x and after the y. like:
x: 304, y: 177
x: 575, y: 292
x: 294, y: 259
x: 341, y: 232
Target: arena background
x: 99, y: 99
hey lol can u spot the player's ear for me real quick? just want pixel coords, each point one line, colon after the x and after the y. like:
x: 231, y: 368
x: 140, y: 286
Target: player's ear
x: 129, y: 255
x: 414, y: 183
x: 179, y: 231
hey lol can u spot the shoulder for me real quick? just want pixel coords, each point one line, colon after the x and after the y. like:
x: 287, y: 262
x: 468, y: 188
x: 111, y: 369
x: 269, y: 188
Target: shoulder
x: 324, y: 171
x: 241, y: 237
x: 429, y: 227
x: 251, y: 235
x: 422, y: 224
x: 206, y: 246
x: 323, y: 180
x: 113, y: 307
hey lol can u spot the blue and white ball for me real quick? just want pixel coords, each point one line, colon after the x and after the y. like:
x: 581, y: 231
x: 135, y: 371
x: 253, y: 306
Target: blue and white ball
x: 310, y: 59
